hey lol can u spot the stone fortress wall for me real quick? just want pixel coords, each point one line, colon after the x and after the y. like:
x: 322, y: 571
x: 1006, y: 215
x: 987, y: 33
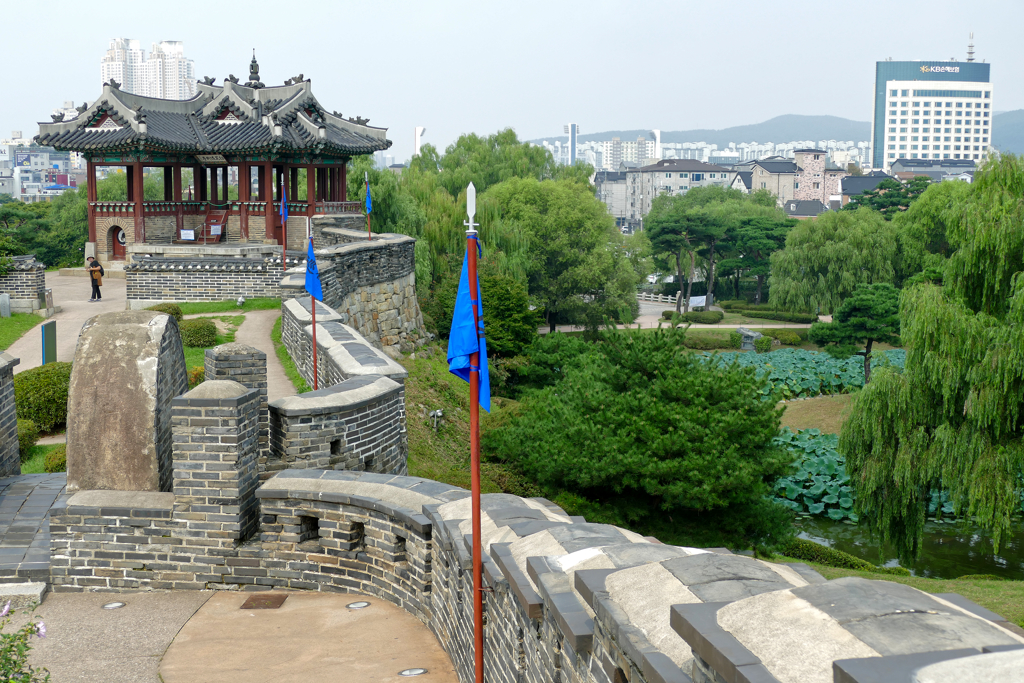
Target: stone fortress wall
x: 10, y: 450
x: 566, y: 601
x: 25, y: 282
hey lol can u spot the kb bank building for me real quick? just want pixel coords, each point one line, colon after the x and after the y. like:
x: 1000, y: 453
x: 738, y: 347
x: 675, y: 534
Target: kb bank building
x: 931, y: 110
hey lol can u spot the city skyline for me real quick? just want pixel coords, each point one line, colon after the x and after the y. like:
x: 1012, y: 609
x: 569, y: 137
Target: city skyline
x: 480, y: 68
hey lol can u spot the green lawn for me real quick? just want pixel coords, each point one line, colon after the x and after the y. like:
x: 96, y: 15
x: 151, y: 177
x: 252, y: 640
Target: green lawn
x: 13, y: 328
x: 33, y: 464
x: 195, y: 356
x: 193, y: 307
x: 286, y: 360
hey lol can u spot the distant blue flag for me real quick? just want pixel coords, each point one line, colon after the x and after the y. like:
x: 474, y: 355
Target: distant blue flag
x: 464, y: 340
x: 369, y: 201
x: 284, y: 204
x: 313, y: 275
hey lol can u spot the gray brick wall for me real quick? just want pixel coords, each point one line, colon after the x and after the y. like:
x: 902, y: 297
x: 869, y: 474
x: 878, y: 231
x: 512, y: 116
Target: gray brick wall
x: 10, y: 455
x: 358, y: 424
x: 215, y: 451
x: 247, y: 366
x: 159, y: 278
x: 25, y: 282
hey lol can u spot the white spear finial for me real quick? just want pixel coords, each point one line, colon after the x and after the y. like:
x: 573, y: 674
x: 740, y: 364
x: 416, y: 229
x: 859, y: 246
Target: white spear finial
x: 471, y: 207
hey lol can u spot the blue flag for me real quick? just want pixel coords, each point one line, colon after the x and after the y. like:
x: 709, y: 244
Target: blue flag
x: 313, y: 275
x: 284, y: 204
x: 465, y: 340
x: 369, y: 202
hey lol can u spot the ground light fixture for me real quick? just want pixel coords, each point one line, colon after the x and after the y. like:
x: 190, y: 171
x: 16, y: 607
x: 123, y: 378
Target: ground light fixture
x: 114, y: 605
x: 412, y: 672
x: 361, y: 605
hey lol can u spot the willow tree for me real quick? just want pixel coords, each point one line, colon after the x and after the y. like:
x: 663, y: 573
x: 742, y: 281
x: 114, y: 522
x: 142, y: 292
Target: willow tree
x: 827, y: 257
x: 954, y: 419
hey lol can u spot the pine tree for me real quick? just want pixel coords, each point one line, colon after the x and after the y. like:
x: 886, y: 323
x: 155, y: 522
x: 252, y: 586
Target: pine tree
x: 867, y: 316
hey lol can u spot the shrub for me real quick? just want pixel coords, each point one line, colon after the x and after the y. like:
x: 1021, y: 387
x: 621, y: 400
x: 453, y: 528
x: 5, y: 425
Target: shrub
x: 646, y: 429
x: 41, y: 395
x: 735, y: 340
x: 173, y: 310
x: 198, y: 332
x: 763, y: 344
x: 732, y: 304
x: 706, y: 342
x: 667, y: 315
x: 790, y: 337
x: 57, y: 459
x: 810, y: 551
x: 704, y: 317
x: 16, y: 644
x: 28, y: 434
x: 196, y: 376
x: 782, y: 316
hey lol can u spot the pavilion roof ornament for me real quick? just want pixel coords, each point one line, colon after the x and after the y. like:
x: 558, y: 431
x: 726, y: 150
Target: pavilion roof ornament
x: 254, y: 73
x: 283, y: 121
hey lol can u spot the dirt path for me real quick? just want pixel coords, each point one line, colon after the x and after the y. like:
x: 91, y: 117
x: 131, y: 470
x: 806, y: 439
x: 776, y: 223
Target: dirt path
x: 255, y: 332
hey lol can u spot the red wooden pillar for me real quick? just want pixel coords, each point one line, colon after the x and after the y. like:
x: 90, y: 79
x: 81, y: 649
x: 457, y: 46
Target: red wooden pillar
x: 213, y: 184
x: 201, y: 193
x: 90, y: 193
x: 138, y: 196
x: 310, y: 191
x: 267, y: 190
x: 168, y: 184
x: 344, y: 182
x: 224, y: 184
x: 179, y: 213
x: 293, y: 183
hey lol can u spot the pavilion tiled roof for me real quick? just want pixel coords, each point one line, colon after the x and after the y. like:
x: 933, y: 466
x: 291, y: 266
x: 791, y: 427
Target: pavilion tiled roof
x: 226, y: 119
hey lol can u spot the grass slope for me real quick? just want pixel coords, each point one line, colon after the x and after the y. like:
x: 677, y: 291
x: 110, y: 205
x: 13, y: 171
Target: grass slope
x: 227, y: 325
x: 193, y: 307
x: 443, y: 455
x: 36, y: 460
x: 13, y: 328
x: 286, y: 360
x: 827, y: 413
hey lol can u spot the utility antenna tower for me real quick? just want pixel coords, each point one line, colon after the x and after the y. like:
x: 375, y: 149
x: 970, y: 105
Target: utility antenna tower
x: 970, y: 49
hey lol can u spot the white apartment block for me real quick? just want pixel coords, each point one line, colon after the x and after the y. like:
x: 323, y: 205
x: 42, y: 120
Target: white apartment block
x: 165, y: 73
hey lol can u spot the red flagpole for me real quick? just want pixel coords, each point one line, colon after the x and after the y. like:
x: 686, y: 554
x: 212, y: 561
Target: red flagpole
x: 312, y: 306
x: 474, y: 449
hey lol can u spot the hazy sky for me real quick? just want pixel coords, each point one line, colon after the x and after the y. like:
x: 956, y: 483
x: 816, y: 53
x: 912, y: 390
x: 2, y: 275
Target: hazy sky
x: 458, y: 67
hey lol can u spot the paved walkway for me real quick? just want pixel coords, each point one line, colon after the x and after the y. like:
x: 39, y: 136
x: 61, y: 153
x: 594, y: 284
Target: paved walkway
x: 653, y: 321
x: 255, y: 332
x: 25, y: 503
x: 72, y: 295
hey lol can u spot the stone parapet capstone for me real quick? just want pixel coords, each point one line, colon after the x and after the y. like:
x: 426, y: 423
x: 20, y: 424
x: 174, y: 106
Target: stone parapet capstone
x: 10, y: 451
x: 25, y: 283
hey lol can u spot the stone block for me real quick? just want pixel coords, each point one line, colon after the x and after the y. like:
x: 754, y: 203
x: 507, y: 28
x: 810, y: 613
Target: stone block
x: 128, y: 367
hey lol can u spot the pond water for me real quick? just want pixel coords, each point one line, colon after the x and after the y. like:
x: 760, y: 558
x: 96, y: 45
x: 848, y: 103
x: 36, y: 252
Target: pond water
x: 949, y: 550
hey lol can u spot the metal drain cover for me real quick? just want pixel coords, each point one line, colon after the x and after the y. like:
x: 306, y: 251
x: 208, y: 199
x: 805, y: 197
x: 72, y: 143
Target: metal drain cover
x: 264, y: 601
x: 359, y: 605
x: 412, y: 672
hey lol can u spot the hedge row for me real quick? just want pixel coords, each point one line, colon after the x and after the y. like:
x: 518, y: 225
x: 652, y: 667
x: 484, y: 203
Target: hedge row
x: 810, y: 551
x: 41, y: 395
x: 700, y: 317
x: 783, y: 316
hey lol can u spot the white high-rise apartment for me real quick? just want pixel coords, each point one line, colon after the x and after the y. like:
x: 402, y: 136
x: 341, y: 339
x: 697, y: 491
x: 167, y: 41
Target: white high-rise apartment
x: 165, y: 73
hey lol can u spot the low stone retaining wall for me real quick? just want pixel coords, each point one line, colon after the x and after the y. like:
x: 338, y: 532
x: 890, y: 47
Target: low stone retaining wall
x: 342, y: 352
x: 358, y: 424
x: 10, y: 451
x: 25, y: 282
x: 157, y: 279
x: 372, y: 283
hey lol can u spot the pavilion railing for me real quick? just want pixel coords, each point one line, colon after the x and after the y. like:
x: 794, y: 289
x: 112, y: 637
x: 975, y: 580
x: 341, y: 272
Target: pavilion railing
x: 338, y: 207
x: 234, y: 207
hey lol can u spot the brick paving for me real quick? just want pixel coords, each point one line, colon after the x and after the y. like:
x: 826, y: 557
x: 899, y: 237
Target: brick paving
x: 25, y: 503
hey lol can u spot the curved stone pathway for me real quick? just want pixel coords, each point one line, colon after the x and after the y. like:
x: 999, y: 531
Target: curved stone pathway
x: 255, y: 332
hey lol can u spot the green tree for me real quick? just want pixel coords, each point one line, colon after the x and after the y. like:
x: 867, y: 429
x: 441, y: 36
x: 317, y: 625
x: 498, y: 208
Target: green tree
x: 825, y: 258
x: 870, y: 315
x: 891, y: 196
x: 649, y: 429
x: 487, y: 161
x: 576, y: 273
x: 758, y: 233
x: 5, y: 198
x: 954, y: 418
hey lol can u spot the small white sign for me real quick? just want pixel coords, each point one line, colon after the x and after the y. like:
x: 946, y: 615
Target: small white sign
x: 188, y: 235
x: 214, y: 229
x: 697, y: 301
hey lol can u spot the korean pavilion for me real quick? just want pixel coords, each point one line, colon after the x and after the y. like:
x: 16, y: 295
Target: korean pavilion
x: 263, y: 134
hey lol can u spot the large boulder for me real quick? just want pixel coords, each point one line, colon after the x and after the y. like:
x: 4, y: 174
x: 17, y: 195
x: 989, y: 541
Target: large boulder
x: 127, y: 368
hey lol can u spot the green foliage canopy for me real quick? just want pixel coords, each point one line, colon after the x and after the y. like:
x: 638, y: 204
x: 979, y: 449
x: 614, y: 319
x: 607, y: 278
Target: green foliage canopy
x: 890, y: 197
x: 954, y: 419
x: 643, y: 424
x: 825, y: 258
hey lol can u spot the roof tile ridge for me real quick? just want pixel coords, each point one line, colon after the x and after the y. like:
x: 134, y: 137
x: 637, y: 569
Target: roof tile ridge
x: 201, y: 140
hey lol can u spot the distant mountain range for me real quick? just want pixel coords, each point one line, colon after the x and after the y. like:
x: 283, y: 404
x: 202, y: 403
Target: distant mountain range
x: 1008, y: 132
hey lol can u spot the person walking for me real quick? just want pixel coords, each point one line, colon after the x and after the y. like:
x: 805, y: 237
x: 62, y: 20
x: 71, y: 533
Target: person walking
x: 96, y: 276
